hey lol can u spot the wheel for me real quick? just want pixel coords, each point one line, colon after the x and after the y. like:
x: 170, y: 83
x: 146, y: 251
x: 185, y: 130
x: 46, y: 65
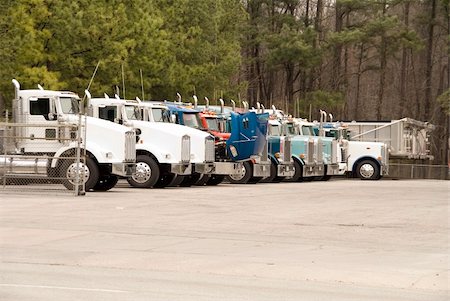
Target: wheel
x: 69, y: 171
x: 215, y: 180
x: 367, y: 170
x: 203, y: 180
x: 164, y: 180
x: 244, y: 176
x: 105, y: 183
x: 254, y: 180
x: 146, y: 174
x: 298, y: 174
x: 190, y: 180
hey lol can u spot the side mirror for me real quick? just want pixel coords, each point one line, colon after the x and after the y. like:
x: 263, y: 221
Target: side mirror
x: 51, y: 116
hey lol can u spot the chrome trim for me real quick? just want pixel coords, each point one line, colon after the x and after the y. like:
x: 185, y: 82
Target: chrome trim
x: 209, y: 149
x: 310, y: 149
x: 319, y: 151
x: 130, y: 146
x: 186, y: 149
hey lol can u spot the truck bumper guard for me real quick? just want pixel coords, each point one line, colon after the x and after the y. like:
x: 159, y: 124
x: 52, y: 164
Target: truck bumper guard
x: 285, y: 170
x: 261, y: 169
x: 123, y: 169
x: 181, y: 168
x: 219, y: 168
x: 313, y: 170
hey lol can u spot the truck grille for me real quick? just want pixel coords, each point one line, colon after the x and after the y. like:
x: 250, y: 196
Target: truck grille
x: 334, y: 150
x: 310, y: 149
x: 130, y: 146
x: 286, y: 155
x: 319, y: 150
x: 186, y: 149
x: 209, y: 149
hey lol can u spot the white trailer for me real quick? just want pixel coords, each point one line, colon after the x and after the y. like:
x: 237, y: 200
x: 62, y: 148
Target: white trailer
x: 406, y: 138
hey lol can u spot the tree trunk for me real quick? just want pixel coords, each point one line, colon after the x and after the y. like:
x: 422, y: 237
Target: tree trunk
x: 383, y: 62
x: 358, y: 82
x: 429, y: 62
x: 337, y: 53
x: 403, y: 73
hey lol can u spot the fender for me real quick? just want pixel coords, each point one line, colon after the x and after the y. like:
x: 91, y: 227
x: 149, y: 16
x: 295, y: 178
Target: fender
x: 92, y: 148
x: 158, y: 153
x: 298, y: 159
x: 273, y: 159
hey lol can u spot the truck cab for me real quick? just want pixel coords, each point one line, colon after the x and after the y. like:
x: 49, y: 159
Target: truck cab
x: 46, y: 117
x: 163, y: 151
x: 246, y: 143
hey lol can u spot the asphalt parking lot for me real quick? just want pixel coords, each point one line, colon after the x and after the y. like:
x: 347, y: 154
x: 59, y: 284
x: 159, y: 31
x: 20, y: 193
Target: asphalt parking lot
x: 339, y: 240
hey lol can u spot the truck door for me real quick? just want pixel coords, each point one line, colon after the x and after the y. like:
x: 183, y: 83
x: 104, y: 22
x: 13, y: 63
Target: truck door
x: 42, y: 134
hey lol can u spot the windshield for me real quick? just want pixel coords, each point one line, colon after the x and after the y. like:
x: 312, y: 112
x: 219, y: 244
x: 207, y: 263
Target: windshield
x: 69, y: 105
x: 307, y: 130
x: 160, y: 115
x: 133, y: 113
x: 191, y: 120
x: 213, y: 124
x: 274, y: 130
x: 290, y: 129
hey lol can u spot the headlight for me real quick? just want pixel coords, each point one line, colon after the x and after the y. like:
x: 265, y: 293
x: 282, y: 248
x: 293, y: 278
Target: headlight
x: 233, y: 150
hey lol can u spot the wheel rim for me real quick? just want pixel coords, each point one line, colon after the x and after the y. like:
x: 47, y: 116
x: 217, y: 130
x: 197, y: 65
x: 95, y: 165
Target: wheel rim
x: 239, y: 176
x: 143, y: 172
x: 73, y: 170
x: 367, y: 170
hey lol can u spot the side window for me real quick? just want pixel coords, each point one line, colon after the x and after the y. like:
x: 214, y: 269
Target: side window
x: 245, y: 123
x: 108, y: 113
x: 40, y: 106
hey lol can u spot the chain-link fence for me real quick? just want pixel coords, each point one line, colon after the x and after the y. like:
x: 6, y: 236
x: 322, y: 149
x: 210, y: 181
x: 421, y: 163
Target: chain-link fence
x: 419, y: 171
x: 42, y: 157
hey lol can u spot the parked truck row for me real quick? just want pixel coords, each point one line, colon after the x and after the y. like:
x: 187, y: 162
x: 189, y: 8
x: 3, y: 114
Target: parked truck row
x: 157, y: 144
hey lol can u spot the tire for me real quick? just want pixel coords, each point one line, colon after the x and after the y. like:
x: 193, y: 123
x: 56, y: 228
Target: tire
x: 176, y: 181
x: 190, y: 180
x: 204, y: 178
x: 298, y: 175
x: 244, y: 176
x: 215, y: 180
x: 105, y: 183
x: 164, y: 180
x: 146, y: 174
x: 325, y: 178
x: 368, y: 170
x: 69, y: 170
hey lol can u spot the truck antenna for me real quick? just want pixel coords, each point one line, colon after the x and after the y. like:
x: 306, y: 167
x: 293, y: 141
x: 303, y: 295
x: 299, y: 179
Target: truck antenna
x: 91, y: 80
x: 142, y: 84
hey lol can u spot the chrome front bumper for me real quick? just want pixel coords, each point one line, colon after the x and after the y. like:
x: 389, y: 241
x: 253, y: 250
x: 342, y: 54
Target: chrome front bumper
x: 181, y: 168
x: 316, y: 170
x: 219, y: 168
x: 261, y: 169
x: 285, y: 170
x: 123, y: 169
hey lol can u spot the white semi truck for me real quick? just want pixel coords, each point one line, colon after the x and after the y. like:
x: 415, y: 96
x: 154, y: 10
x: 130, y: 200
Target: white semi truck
x: 43, y: 117
x: 165, y: 150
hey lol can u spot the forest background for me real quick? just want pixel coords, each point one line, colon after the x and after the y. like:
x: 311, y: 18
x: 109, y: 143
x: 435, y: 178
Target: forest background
x: 357, y: 59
